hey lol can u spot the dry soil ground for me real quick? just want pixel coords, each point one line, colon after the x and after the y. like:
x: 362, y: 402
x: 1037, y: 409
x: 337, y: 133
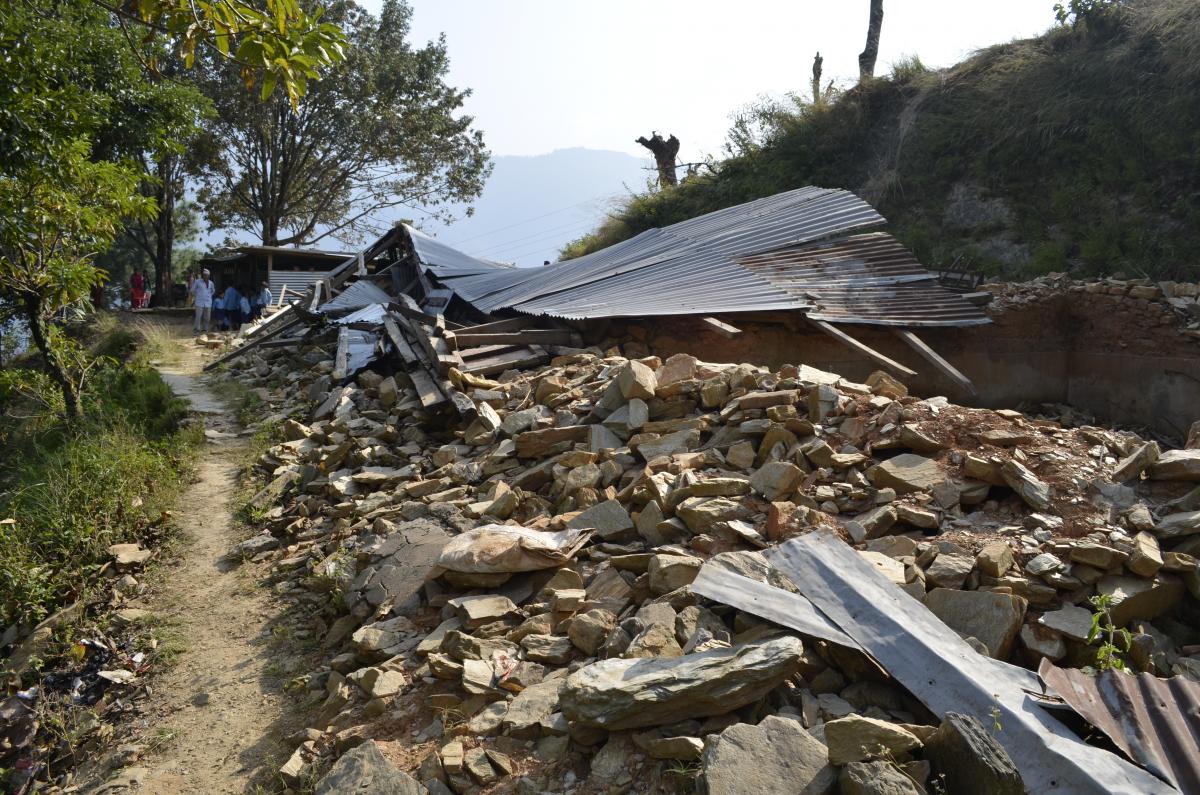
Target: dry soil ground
x: 219, y: 711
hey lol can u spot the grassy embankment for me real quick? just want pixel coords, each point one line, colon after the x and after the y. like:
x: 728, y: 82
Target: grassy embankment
x: 68, y: 492
x: 1076, y: 150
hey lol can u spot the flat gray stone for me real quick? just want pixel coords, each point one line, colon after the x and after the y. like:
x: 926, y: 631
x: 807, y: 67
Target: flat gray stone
x: 776, y: 757
x: 364, y: 769
x: 631, y: 693
x: 875, y: 778
x: 971, y: 759
x: 992, y: 618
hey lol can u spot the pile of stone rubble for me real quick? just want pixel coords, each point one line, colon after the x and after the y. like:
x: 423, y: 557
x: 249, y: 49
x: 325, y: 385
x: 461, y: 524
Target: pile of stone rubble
x: 506, y: 604
x: 1179, y: 300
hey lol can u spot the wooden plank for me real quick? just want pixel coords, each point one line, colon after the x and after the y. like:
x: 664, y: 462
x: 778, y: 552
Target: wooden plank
x: 498, y: 326
x: 273, y: 322
x: 424, y: 345
x: 446, y: 358
x: 282, y: 343
x: 407, y: 354
x: 518, y: 359
x: 236, y: 352
x: 486, y: 350
x: 724, y: 329
x: 341, y: 359
x: 863, y: 348
x: 526, y: 337
x: 930, y: 355
x: 314, y: 297
x: 427, y: 389
x: 410, y: 310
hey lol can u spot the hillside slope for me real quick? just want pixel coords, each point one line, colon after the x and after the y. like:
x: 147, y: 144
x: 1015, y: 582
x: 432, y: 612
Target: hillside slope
x: 1077, y: 150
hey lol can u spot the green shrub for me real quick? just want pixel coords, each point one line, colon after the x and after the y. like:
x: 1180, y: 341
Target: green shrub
x: 98, y: 487
x: 72, y: 490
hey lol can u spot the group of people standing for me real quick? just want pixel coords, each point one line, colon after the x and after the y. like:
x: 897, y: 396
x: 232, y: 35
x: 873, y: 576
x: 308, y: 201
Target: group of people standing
x: 227, y: 309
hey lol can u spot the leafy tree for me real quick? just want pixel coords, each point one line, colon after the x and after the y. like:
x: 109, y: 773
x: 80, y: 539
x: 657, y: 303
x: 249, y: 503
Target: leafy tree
x: 278, y: 40
x: 136, y: 246
x: 381, y: 130
x: 77, y: 112
x: 1075, y: 12
x: 53, y: 218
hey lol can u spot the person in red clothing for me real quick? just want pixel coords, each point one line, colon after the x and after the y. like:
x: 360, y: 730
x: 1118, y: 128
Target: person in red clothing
x: 137, y: 289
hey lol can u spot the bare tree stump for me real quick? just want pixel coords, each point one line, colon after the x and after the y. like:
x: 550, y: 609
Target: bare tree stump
x: 664, y: 157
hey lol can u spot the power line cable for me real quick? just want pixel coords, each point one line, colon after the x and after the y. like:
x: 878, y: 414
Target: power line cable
x: 530, y: 220
x: 527, y: 252
x: 515, y: 242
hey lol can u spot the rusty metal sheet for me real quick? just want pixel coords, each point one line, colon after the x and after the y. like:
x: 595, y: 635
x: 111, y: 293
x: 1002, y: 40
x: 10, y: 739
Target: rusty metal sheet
x: 867, y: 278
x: 938, y: 667
x: 1156, y: 722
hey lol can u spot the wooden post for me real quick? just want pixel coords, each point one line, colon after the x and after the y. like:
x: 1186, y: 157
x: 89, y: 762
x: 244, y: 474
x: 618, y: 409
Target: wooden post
x: 932, y: 356
x: 863, y: 348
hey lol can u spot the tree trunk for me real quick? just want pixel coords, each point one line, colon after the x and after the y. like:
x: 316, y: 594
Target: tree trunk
x: 37, y: 330
x: 866, y: 59
x: 664, y: 157
x: 164, y: 226
x: 817, y: 96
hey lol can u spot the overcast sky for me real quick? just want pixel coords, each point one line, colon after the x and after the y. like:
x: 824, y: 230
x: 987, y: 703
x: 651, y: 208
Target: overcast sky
x: 551, y: 74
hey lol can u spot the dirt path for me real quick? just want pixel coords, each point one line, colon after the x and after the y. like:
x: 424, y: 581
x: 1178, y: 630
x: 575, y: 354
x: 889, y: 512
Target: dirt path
x: 218, y: 714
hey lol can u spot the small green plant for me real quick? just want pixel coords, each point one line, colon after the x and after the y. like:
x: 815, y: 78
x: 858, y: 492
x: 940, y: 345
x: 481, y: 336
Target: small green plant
x: 1114, y: 640
x: 684, y: 770
x: 995, y: 713
x: 1075, y: 11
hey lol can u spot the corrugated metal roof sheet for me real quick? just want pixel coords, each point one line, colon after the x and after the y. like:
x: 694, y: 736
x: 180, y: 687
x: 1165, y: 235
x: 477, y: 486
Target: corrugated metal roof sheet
x: 867, y: 278
x: 371, y: 313
x: 699, y: 266
x: 1156, y: 722
x: 937, y: 666
x: 447, y: 262
x: 355, y: 296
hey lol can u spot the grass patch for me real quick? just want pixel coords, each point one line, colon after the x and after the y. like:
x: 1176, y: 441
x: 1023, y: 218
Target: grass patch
x: 163, y: 638
x: 245, y: 403
x: 69, y: 491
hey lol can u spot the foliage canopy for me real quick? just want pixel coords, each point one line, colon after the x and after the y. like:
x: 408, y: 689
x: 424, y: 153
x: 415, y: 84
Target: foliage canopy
x: 382, y: 130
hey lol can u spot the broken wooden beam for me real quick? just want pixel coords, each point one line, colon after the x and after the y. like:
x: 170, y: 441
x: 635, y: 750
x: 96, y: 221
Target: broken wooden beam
x: 427, y: 389
x: 341, y: 359
x: 498, y: 326
x: 466, y: 339
x: 932, y: 356
x: 498, y: 363
x: 863, y: 348
x: 724, y: 329
x: 236, y: 352
x: 403, y: 348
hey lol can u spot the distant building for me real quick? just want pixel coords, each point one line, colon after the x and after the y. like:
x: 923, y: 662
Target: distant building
x: 248, y: 266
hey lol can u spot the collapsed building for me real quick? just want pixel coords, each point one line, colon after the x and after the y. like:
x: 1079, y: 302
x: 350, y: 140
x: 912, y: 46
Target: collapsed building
x: 569, y: 566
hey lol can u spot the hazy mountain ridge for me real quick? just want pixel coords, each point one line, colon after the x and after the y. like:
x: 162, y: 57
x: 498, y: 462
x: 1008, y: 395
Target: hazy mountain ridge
x: 533, y: 205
